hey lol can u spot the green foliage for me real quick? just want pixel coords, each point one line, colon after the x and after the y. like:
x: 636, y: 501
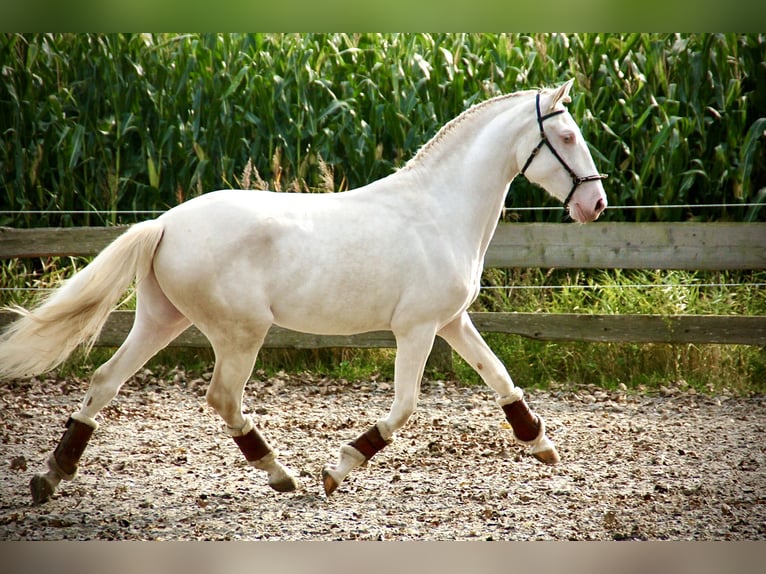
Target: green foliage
x: 737, y: 368
x: 617, y: 291
x: 144, y: 121
x: 639, y: 367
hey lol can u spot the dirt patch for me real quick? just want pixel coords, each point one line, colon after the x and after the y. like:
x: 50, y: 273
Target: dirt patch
x: 676, y: 466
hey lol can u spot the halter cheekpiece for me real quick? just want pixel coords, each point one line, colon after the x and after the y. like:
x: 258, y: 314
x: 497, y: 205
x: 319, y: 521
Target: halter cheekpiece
x: 576, y: 180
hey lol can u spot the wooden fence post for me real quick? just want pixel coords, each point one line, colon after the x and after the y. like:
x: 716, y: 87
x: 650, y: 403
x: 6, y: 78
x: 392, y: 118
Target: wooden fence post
x: 440, y: 359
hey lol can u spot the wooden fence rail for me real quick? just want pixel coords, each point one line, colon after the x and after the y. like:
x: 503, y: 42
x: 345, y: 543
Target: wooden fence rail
x: 750, y: 330
x: 702, y: 246
x: 708, y: 246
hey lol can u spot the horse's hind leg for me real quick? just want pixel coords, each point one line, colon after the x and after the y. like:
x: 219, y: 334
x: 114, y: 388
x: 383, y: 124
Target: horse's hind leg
x: 156, y: 324
x: 528, y: 428
x: 231, y: 373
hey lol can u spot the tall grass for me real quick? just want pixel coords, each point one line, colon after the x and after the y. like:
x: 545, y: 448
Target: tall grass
x: 737, y: 368
x: 144, y: 121
x: 708, y: 368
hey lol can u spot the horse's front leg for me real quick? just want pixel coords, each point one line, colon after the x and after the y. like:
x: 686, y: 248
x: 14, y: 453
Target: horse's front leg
x: 411, y: 355
x: 528, y: 428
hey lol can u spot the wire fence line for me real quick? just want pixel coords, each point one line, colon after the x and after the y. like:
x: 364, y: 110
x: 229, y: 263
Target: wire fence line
x: 523, y: 287
x: 83, y: 212
x: 622, y: 286
x: 636, y: 207
x: 507, y: 209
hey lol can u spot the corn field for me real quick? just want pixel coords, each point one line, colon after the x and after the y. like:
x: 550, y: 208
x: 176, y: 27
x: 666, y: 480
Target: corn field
x: 108, y: 123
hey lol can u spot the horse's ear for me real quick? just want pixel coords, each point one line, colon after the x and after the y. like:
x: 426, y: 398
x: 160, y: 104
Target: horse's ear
x: 562, y: 94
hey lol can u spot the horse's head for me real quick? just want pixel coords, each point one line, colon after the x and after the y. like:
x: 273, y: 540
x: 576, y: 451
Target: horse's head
x: 556, y: 157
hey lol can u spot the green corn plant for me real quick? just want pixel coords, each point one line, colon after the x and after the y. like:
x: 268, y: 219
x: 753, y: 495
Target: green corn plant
x: 142, y: 121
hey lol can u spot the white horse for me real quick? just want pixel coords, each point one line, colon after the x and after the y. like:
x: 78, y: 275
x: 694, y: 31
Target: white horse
x: 404, y: 253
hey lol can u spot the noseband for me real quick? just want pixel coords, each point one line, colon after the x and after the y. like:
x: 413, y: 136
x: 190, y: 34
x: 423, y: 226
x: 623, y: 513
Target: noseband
x: 576, y: 180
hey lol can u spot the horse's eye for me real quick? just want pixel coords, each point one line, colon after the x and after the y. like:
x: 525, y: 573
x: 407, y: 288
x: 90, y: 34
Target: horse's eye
x: 568, y: 138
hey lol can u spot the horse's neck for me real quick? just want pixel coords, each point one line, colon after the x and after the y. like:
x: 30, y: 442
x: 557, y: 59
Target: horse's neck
x: 465, y: 170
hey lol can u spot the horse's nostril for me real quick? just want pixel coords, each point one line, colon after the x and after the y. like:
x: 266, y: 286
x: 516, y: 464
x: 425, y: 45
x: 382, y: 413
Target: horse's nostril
x: 600, y: 205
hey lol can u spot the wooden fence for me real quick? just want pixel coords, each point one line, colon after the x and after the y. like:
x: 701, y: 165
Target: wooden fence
x: 690, y: 246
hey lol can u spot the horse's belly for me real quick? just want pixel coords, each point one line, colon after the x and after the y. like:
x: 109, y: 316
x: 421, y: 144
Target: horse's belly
x: 320, y: 324
x: 336, y: 312
x: 371, y: 303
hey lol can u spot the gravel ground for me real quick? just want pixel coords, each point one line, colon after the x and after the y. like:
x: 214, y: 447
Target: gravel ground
x: 671, y: 466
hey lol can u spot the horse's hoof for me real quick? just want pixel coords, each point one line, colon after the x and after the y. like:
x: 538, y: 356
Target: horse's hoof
x: 550, y: 456
x: 41, y: 488
x: 328, y: 482
x: 284, y: 484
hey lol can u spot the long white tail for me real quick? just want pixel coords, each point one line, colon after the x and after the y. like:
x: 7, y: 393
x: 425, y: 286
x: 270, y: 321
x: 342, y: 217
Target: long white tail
x: 76, y: 312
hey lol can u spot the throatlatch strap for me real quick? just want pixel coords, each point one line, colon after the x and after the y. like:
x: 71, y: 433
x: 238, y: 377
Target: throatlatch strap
x: 525, y: 425
x: 369, y: 443
x: 72, y: 445
x: 252, y: 445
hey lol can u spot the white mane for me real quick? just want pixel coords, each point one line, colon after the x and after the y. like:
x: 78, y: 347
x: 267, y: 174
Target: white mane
x: 447, y: 129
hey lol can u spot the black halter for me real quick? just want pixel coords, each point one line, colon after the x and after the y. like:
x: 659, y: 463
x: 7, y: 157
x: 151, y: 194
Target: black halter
x: 576, y: 180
